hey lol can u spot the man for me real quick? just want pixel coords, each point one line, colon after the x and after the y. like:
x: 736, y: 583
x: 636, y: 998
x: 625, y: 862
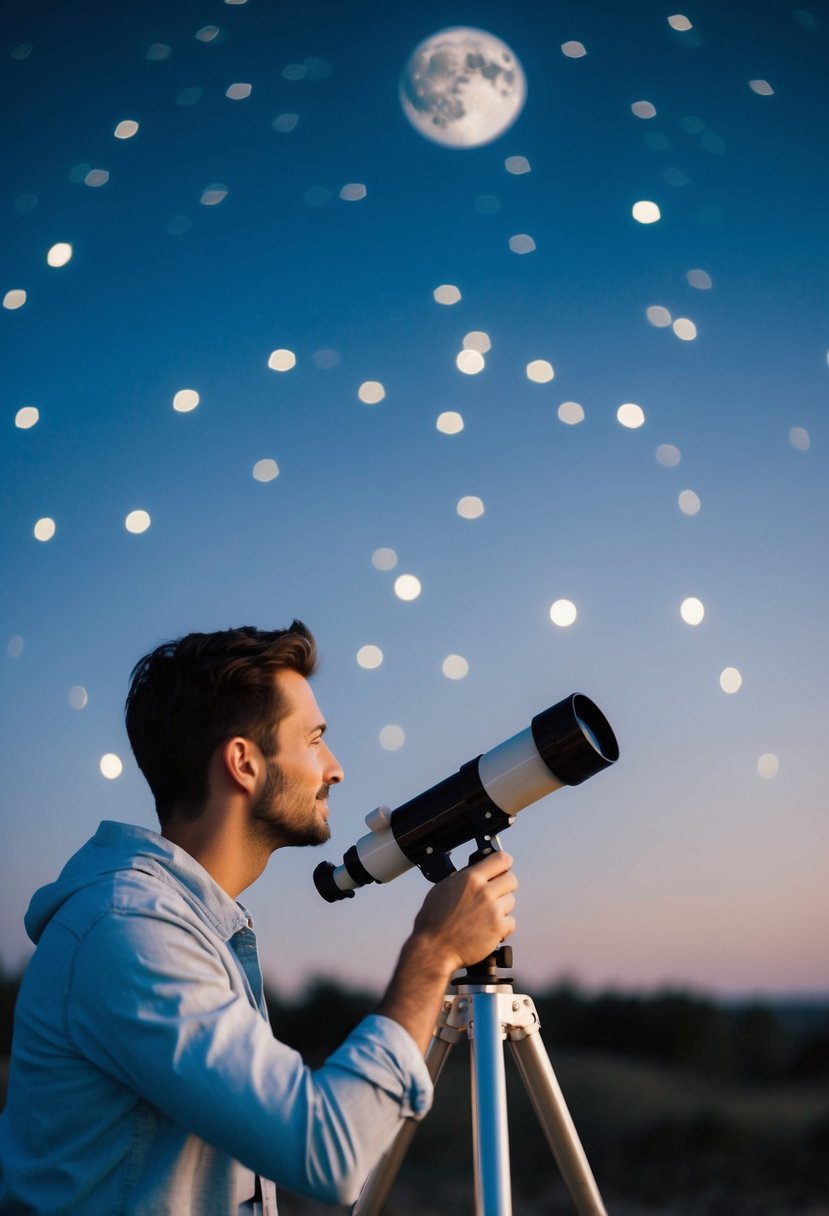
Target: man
x: 145, y: 1079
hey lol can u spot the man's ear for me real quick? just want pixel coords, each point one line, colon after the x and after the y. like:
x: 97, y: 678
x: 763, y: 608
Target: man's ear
x: 240, y: 761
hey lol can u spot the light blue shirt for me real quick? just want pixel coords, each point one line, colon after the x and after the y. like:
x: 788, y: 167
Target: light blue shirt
x: 145, y: 1079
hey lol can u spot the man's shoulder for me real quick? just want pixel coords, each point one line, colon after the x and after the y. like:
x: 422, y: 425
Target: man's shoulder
x: 145, y: 890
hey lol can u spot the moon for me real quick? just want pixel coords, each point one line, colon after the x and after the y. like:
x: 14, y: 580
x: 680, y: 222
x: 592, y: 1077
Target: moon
x: 462, y: 87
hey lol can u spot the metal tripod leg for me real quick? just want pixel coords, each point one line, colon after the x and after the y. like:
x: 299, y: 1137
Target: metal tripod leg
x: 381, y: 1179
x: 493, y: 1196
x: 558, y: 1127
x: 487, y: 1014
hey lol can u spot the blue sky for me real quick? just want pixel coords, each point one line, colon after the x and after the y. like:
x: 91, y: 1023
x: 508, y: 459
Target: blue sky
x: 682, y: 863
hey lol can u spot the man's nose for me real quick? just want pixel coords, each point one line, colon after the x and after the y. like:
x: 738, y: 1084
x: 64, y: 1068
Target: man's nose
x: 333, y: 773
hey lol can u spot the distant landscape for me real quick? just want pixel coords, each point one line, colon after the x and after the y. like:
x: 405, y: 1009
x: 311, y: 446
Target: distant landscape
x: 686, y: 1106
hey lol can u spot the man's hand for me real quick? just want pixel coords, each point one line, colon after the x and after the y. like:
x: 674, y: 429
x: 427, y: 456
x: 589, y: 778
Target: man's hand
x: 467, y: 915
x: 463, y: 919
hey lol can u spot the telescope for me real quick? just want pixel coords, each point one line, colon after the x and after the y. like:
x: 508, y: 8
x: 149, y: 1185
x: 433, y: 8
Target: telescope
x: 563, y: 745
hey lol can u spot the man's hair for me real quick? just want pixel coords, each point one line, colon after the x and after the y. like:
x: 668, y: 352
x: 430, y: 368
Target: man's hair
x: 188, y: 697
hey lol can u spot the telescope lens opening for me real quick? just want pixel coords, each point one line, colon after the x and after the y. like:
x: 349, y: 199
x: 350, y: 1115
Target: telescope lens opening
x: 588, y: 734
x: 596, y: 728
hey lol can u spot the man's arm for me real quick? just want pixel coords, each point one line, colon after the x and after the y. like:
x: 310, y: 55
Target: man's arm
x: 463, y: 919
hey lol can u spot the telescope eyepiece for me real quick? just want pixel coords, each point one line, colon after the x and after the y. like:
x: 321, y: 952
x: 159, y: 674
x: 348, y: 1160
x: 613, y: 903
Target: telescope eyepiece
x: 325, y: 884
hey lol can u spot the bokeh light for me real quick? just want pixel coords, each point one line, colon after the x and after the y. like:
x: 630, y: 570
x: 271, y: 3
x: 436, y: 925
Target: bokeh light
x: 15, y: 646
x: 449, y: 423
x: 111, y: 766
x: 522, y: 242
x: 78, y: 697
x: 668, y: 455
x: 730, y: 680
x: 563, y: 613
x: 700, y: 279
x: 768, y: 766
x: 689, y: 502
x: 352, y: 192
x: 571, y: 413
x: 644, y: 109
x: 517, y: 165
x: 407, y: 587
x: 762, y: 87
x: 27, y: 417
x: 631, y: 415
x: 96, y: 177
x: 646, y: 212
x: 470, y: 362
x: 470, y: 507
x: 126, y: 128
x: 392, y: 738
x: 265, y: 470
x: 137, y: 522
x: 281, y: 360
x: 239, y: 91
x: 45, y: 528
x: 658, y: 316
x: 455, y: 667
x: 540, y: 371
x: 692, y: 610
x: 799, y: 438
x: 369, y: 657
x: 371, y: 392
x: 573, y: 49
x: 285, y: 123
x: 477, y: 340
x: 685, y: 329
x: 447, y: 293
x: 59, y: 254
x: 185, y: 400
x: 15, y: 298
x: 679, y: 22
x: 384, y: 559
x: 213, y: 194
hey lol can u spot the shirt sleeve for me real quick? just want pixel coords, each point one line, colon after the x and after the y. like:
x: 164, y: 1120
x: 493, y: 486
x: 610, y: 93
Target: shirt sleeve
x: 153, y: 1005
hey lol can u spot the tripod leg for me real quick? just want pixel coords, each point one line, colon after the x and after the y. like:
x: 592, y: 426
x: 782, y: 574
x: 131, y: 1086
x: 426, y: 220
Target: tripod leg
x: 558, y: 1127
x: 493, y: 1195
x: 382, y: 1178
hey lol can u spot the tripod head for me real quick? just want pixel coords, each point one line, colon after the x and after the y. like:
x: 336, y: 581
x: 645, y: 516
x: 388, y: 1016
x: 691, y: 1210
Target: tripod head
x: 485, y: 973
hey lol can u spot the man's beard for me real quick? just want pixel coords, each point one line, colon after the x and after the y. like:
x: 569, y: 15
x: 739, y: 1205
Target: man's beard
x: 274, y: 816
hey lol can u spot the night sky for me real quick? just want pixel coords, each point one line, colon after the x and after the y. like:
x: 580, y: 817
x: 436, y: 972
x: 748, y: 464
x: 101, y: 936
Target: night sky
x: 276, y: 237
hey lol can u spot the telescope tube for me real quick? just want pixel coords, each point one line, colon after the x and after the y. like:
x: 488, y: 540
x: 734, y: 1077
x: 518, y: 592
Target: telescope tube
x: 563, y: 745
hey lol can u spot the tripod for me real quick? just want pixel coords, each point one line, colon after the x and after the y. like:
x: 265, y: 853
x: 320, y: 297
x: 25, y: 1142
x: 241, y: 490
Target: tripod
x: 486, y: 1010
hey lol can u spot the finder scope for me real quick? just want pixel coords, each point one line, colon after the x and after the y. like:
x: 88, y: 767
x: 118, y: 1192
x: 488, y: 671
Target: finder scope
x: 563, y: 745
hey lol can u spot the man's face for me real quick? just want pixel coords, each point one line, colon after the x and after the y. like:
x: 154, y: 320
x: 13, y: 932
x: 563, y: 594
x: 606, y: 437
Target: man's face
x: 292, y: 807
